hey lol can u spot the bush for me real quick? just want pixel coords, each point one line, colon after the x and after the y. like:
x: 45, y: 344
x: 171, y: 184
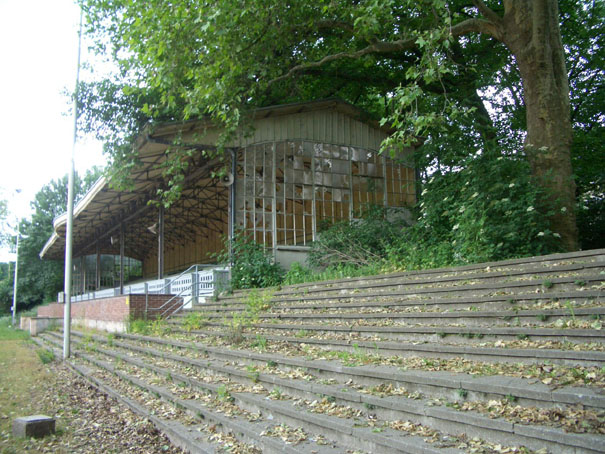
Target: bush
x: 299, y: 274
x: 489, y: 210
x: 360, y: 242
x: 591, y: 221
x: 252, y: 266
x: 145, y: 327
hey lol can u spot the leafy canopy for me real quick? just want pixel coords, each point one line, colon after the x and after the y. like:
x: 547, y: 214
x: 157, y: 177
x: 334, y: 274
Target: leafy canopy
x: 428, y: 67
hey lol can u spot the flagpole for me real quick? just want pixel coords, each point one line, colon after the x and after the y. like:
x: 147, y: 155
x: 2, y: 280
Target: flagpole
x: 70, y: 213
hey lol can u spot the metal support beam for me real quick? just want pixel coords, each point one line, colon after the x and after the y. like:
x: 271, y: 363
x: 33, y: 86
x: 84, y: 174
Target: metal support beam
x: 83, y: 274
x: 121, y: 258
x: 232, y: 195
x: 98, y: 267
x: 161, y: 243
x: 16, y: 281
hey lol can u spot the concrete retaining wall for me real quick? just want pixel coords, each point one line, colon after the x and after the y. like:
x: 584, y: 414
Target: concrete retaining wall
x: 36, y: 325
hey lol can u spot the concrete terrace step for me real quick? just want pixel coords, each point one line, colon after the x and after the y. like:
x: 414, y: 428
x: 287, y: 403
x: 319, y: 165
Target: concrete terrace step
x: 186, y: 437
x: 382, y: 315
x: 475, y: 424
x: 419, y: 333
x: 249, y: 432
x: 396, y: 291
x: 406, y: 349
x: 436, y: 383
x: 509, y: 353
x: 555, y: 264
x: 351, y: 434
x: 413, y: 303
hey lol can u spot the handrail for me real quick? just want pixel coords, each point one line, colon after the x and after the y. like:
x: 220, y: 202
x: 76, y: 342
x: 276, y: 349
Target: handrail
x: 167, y: 303
x: 205, y: 279
x: 182, y: 274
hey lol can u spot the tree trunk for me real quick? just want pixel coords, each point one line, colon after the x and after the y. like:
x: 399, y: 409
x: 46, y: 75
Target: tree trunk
x: 531, y: 32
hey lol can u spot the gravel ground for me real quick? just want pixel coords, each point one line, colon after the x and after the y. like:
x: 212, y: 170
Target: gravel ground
x: 88, y: 421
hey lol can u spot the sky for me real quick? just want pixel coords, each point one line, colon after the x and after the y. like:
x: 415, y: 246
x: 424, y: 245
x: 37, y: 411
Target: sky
x: 38, y: 47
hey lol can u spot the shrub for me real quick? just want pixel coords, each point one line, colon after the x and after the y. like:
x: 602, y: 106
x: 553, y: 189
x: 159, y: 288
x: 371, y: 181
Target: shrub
x: 257, y: 302
x: 360, y: 242
x: 236, y: 325
x: 490, y: 209
x: 297, y: 274
x: 252, y: 266
x: 157, y: 327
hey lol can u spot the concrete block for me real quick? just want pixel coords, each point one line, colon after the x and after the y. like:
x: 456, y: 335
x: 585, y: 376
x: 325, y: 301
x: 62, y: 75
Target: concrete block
x: 36, y: 426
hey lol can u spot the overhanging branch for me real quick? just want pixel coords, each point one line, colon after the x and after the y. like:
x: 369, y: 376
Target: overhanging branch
x: 494, y: 29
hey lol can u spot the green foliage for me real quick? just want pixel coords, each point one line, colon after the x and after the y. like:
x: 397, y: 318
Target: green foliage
x: 260, y: 342
x: 424, y: 68
x: 194, y: 321
x: 223, y: 394
x: 361, y: 242
x: 276, y: 394
x: 485, y: 211
x: 511, y: 398
x: 236, y: 325
x: 8, y: 332
x: 46, y: 356
x: 252, y: 373
x: 138, y: 326
x: 252, y: 266
x: 257, y: 302
x: 299, y: 274
x: 157, y: 327
x: 41, y: 280
x: 591, y: 216
x: 5, y: 238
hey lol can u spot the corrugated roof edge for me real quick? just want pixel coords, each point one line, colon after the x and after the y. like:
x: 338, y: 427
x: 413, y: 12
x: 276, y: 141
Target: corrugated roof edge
x: 79, y: 207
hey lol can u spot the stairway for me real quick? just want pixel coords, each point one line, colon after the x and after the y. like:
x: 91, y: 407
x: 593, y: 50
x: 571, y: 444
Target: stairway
x: 491, y: 358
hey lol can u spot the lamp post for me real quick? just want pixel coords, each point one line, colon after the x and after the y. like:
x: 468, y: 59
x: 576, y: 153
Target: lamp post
x: 16, y: 277
x: 15, y: 286
x: 70, y: 213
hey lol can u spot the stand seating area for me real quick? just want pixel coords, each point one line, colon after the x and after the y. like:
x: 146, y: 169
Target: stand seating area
x: 503, y: 357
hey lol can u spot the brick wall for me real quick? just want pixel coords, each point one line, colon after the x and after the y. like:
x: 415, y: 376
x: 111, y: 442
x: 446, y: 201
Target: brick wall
x: 113, y: 309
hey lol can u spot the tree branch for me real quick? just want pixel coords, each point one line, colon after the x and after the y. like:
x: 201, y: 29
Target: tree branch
x: 495, y: 30
x: 332, y: 24
x: 473, y: 25
x: 487, y: 12
x: 375, y: 48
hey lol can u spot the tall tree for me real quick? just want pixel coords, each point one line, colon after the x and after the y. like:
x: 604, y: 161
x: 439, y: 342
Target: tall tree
x: 40, y: 280
x: 221, y: 57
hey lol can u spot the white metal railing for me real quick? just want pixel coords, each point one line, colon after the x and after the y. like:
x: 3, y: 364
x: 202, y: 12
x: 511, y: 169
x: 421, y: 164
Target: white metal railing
x: 193, y: 284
